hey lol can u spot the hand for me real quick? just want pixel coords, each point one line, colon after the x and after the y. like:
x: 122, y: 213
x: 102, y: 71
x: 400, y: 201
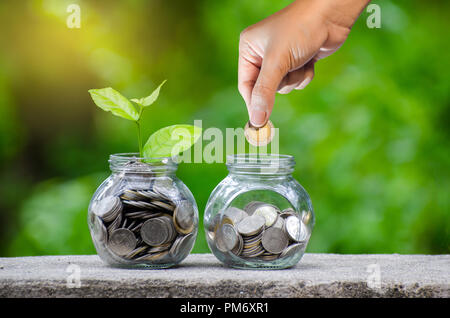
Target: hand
x: 279, y: 52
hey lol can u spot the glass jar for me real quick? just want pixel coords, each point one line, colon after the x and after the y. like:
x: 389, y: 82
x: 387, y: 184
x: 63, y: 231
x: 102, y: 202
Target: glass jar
x: 259, y: 216
x: 142, y: 215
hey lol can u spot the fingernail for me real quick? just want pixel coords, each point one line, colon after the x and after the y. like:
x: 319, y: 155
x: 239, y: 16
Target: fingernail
x: 258, y: 118
x: 303, y: 84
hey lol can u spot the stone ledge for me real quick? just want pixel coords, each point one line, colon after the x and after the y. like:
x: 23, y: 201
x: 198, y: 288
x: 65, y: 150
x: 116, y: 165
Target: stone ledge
x: 202, y: 275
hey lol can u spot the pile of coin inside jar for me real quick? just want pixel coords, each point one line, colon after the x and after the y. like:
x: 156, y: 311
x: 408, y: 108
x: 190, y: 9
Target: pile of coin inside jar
x: 260, y: 231
x: 144, y: 225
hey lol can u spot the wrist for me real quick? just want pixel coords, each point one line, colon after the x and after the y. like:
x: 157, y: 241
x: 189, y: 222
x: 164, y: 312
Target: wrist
x: 343, y: 12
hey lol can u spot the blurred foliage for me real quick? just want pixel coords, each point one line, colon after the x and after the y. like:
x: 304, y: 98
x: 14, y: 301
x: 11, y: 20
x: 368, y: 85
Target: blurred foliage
x: 370, y: 134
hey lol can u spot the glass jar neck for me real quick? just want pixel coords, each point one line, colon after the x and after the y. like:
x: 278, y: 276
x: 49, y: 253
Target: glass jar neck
x: 261, y: 165
x: 133, y: 164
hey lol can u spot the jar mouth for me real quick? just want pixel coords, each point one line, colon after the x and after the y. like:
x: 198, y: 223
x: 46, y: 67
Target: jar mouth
x: 249, y: 163
x: 133, y: 162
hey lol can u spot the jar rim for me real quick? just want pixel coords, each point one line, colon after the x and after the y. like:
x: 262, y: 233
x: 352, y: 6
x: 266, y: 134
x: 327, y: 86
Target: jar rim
x: 136, y: 156
x: 124, y: 161
x: 260, y: 159
x: 254, y: 163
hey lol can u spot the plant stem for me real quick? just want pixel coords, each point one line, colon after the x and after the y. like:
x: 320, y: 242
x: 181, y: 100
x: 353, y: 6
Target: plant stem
x: 139, y: 138
x: 138, y: 123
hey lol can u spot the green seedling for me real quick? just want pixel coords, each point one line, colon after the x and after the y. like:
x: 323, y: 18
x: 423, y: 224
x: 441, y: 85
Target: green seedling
x: 166, y: 142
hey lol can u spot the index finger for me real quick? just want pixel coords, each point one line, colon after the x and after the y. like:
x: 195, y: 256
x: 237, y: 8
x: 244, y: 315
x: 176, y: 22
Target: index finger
x: 247, y: 75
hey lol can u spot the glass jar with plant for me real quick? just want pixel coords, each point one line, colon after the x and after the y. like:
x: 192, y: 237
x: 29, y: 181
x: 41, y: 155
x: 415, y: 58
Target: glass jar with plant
x: 143, y: 215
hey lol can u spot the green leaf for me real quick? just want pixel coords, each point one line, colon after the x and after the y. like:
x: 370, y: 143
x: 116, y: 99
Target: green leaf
x: 147, y: 101
x: 111, y: 100
x: 171, y: 141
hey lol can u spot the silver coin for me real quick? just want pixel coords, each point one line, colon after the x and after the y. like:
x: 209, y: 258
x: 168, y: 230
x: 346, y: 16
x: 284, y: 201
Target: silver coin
x: 220, y: 240
x: 274, y: 240
x: 154, y: 232
x: 156, y: 249
x: 237, y: 250
x: 183, y: 217
x: 148, y: 194
x: 136, y: 228
x: 236, y: 215
x: 279, y: 223
x: 230, y: 236
x: 163, y: 205
x: 250, y: 225
x: 132, y: 195
x: 252, y: 206
x: 141, y: 204
x: 135, y: 214
x: 138, y: 250
x: 269, y: 212
x: 287, y: 212
x: 107, y: 208
x: 181, y: 244
x: 122, y: 242
x: 291, y: 250
x: 170, y: 226
x: 294, y: 228
x: 115, y: 224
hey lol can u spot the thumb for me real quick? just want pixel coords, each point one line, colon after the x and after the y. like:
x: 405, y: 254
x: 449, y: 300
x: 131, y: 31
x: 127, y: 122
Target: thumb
x: 263, y: 93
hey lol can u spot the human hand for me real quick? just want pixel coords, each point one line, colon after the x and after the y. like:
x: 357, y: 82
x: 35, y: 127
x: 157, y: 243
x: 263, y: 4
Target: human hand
x: 279, y: 52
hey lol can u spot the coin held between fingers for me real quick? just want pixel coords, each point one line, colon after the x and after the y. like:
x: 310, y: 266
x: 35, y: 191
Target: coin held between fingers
x: 259, y: 136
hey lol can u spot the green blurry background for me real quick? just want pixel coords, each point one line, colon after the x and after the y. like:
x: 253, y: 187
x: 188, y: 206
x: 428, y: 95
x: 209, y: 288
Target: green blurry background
x: 370, y: 134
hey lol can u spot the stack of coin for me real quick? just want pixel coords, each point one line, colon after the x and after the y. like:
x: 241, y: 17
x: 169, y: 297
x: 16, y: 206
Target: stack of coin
x: 145, y: 225
x: 259, y: 231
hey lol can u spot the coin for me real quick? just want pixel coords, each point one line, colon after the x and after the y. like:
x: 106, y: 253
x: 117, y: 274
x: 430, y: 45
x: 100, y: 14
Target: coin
x: 291, y: 250
x: 287, y: 212
x: 155, y: 232
x: 230, y: 236
x: 181, y: 245
x: 253, y: 252
x: 164, y: 205
x: 236, y: 215
x: 129, y: 194
x: 279, y: 223
x: 115, y: 224
x: 293, y: 228
x: 306, y: 217
x: 239, y: 246
x: 167, y: 219
x: 183, y: 217
x: 267, y: 256
x: 148, y: 194
x: 122, y: 242
x: 274, y: 240
x: 136, y: 251
x: 107, y: 208
x: 252, y: 206
x: 269, y: 212
x: 251, y: 225
x: 159, y: 248
x: 226, y: 238
x: 259, y: 136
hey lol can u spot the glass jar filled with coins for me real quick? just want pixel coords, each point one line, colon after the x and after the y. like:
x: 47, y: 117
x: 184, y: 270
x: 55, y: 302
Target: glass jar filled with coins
x: 142, y: 215
x: 259, y: 216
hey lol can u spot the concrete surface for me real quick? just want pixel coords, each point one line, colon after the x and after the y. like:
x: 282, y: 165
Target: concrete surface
x: 202, y: 275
